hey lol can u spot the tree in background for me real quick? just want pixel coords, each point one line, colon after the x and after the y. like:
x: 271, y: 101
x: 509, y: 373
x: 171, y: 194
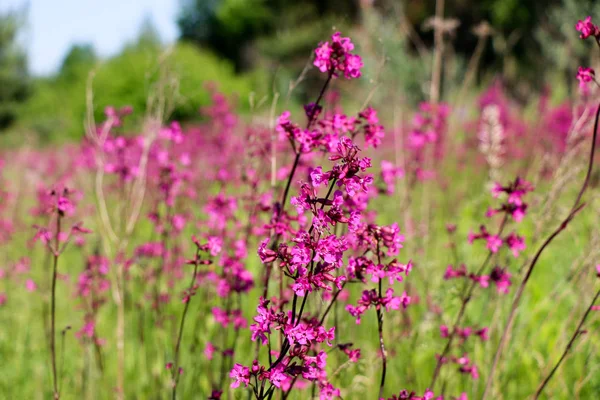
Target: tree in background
x: 285, y: 28
x: 558, y: 44
x: 226, y: 27
x: 78, y: 61
x: 57, y: 109
x: 281, y: 32
x: 14, y: 77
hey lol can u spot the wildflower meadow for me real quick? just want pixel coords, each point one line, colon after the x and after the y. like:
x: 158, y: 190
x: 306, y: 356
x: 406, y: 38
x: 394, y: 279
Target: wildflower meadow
x: 333, y: 250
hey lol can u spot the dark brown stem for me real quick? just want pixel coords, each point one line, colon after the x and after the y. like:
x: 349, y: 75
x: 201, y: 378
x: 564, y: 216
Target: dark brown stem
x: 288, y: 184
x: 577, y: 206
x: 568, y: 348
x: 380, y: 331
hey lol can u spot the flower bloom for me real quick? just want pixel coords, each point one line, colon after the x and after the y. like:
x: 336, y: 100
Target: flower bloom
x: 587, y: 28
x: 585, y: 76
x: 336, y: 56
x: 241, y: 374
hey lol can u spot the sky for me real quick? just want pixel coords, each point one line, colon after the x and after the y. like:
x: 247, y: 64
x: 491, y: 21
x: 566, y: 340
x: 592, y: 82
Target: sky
x: 53, y: 26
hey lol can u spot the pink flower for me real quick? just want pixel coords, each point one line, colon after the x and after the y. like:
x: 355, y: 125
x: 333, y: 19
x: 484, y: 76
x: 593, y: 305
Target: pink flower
x: 483, y: 333
x: 493, y: 243
x: 587, y: 28
x: 336, y: 56
x: 585, y: 75
x: 241, y: 374
x: 516, y: 243
x: 444, y: 331
x: 86, y: 330
x: 266, y: 255
x: 42, y: 234
x: 215, y: 245
x: 328, y: 392
x: 30, y: 285
x: 501, y: 279
x: 318, y: 177
x: 209, y: 351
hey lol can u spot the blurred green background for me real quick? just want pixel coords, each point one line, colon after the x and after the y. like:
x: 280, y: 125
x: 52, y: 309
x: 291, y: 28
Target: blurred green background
x: 257, y: 47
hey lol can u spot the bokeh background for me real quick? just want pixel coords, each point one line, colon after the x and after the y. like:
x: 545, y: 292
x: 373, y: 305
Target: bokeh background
x: 515, y: 60
x: 255, y: 48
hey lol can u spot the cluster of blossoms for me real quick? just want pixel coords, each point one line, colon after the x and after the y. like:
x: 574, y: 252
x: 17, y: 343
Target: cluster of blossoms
x: 498, y: 276
x: 122, y: 157
x: 58, y: 204
x: 314, y: 253
x: 92, y: 289
x: 587, y: 29
x: 428, y: 395
x: 428, y: 130
x: 465, y: 365
x: 6, y: 225
x: 336, y: 57
x: 202, y: 258
x: 389, y: 174
x: 328, y: 131
x: 328, y: 242
x: 513, y: 206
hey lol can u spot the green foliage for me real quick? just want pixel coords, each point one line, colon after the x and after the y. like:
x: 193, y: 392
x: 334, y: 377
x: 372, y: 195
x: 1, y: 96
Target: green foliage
x: 58, y: 109
x: 14, y: 78
x: 558, y: 40
x: 79, y: 59
x: 239, y: 30
x: 405, y: 75
x: 225, y: 26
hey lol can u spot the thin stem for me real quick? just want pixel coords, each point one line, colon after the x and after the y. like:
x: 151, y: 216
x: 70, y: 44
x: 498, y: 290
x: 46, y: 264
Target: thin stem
x: 438, y: 34
x: 569, y: 345
x: 465, y: 300
x: 175, y: 370
x: 286, y: 344
x: 53, y: 308
x: 577, y: 206
x: 224, y: 346
x: 380, y: 330
x: 288, y: 184
x: 382, y: 348
x: 333, y: 299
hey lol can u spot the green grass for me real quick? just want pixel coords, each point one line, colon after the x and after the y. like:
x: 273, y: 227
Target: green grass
x: 551, y: 307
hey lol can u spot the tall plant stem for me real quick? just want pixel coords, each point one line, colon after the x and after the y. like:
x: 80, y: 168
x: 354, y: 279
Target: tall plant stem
x: 175, y: 369
x: 577, y: 206
x: 380, y: 330
x: 288, y: 184
x: 568, y: 348
x: 56, y: 252
x: 438, y: 33
x: 463, y: 306
x: 284, y: 197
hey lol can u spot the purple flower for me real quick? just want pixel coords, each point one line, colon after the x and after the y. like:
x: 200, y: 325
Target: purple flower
x: 241, y: 374
x: 516, y: 243
x: 587, y: 28
x: 585, y: 76
x: 335, y: 57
